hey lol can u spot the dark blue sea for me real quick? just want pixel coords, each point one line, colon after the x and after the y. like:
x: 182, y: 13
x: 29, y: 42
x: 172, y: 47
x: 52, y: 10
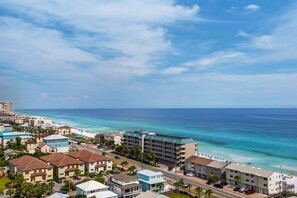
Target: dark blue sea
x: 265, y: 138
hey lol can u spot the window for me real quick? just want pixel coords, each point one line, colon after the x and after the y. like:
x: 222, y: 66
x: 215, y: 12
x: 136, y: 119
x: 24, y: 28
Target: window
x: 231, y: 175
x: 265, y: 179
x: 49, y: 169
x: 252, y: 181
x: 265, y: 185
x: 247, y: 180
x: 247, y: 174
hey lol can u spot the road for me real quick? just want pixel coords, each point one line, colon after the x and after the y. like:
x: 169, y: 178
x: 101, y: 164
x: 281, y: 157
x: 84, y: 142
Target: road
x: 191, y: 180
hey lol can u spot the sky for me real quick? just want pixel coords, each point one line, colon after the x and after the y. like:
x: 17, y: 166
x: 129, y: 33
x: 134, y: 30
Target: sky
x: 148, y: 54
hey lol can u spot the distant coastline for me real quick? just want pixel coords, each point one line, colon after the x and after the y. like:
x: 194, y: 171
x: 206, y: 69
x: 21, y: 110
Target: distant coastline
x: 91, y: 122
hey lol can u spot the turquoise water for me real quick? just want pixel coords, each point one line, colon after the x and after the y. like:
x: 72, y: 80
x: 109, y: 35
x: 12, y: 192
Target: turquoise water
x: 262, y: 137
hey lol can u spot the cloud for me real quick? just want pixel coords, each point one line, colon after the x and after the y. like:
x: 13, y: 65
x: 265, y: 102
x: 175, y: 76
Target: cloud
x: 174, y: 70
x: 252, y: 7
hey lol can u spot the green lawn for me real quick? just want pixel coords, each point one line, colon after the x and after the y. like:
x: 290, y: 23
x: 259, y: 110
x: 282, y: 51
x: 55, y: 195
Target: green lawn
x: 178, y: 195
x: 3, y: 181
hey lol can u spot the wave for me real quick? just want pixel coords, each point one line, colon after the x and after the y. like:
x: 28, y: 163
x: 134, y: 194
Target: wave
x: 273, y: 118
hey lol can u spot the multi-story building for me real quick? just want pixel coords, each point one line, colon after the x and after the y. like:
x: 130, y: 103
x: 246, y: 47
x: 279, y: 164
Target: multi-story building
x: 260, y: 180
x: 32, y: 169
x: 5, y: 127
x: 150, y: 180
x: 36, y: 121
x: 216, y: 168
x: 168, y: 149
x: 116, y: 137
x: 94, y: 162
x: 64, y: 165
x: 94, y: 189
x: 125, y: 186
x: 8, y: 135
x: 64, y: 130
x: 6, y: 107
x: 58, y: 142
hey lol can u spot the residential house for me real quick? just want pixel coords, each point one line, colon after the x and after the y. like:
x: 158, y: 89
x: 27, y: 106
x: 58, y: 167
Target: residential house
x: 32, y: 169
x: 261, y: 180
x: 197, y: 165
x: 94, y: 189
x: 116, y: 137
x: 64, y: 130
x: 8, y: 135
x: 94, y: 162
x: 168, y: 149
x: 150, y: 180
x: 150, y: 194
x: 125, y: 186
x: 44, y: 148
x: 39, y: 137
x: 8, y: 153
x: 58, y: 195
x: 58, y: 142
x: 64, y: 165
x: 31, y: 146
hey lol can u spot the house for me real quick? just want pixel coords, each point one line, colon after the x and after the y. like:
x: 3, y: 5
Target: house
x: 150, y: 180
x: 94, y: 162
x: 150, y: 194
x: 39, y: 137
x: 31, y: 146
x: 8, y: 135
x: 260, y: 180
x: 64, y: 130
x: 168, y: 149
x: 44, y: 148
x: 216, y: 168
x: 125, y: 186
x: 197, y: 165
x: 58, y: 195
x: 94, y: 189
x: 10, y: 153
x: 32, y: 169
x: 116, y: 137
x: 64, y: 165
x: 58, y: 142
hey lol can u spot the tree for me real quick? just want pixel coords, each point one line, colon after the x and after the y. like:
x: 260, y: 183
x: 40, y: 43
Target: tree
x: 10, y: 192
x: 190, y: 186
x: 99, y: 178
x: 124, y: 164
x: 208, y: 192
x: 198, y: 191
x: 212, y: 179
x: 77, y: 173
x: 160, y: 186
x: 132, y: 170
x: 237, y: 178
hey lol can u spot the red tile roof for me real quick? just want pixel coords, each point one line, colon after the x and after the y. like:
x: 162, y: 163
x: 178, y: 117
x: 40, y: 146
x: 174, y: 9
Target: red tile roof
x: 64, y: 127
x: 27, y: 163
x: 88, y: 156
x: 60, y: 160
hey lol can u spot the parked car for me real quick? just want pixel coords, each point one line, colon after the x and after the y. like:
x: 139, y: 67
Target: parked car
x: 218, y: 185
x: 236, y: 188
x: 59, y: 181
x: 243, y: 189
x: 190, y: 174
x: 117, y: 157
x: 249, y: 192
x: 184, y: 185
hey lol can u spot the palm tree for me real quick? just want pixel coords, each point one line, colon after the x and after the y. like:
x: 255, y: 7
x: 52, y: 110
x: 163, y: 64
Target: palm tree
x: 10, y: 192
x: 160, y: 186
x: 237, y: 178
x: 190, y: 186
x: 132, y: 170
x: 77, y: 173
x: 51, y: 186
x: 124, y: 164
x: 198, y: 191
x: 208, y: 192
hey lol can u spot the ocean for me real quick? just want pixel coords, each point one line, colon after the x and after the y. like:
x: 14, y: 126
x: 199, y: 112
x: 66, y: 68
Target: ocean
x: 265, y: 138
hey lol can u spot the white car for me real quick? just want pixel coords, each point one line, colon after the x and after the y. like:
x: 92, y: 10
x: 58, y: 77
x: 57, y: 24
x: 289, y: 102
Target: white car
x: 190, y: 174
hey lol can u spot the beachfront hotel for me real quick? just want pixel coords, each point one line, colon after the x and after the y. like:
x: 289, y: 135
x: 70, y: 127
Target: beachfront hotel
x: 260, y: 180
x: 204, y: 168
x: 6, y: 107
x: 168, y: 149
x: 32, y: 169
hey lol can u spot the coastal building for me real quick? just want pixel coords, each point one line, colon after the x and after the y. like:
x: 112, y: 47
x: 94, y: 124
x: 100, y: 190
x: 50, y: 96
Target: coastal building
x: 8, y: 135
x: 32, y: 169
x: 64, y: 130
x: 150, y: 194
x: 125, y: 186
x: 94, y: 189
x: 8, y: 153
x: 64, y: 165
x: 116, y: 137
x: 94, y: 162
x: 216, y: 168
x: 58, y: 142
x: 58, y: 195
x: 39, y: 137
x: 6, y: 107
x: 150, y: 180
x: 4, y: 127
x: 44, y: 148
x: 168, y: 149
x: 197, y: 165
x: 31, y: 146
x: 36, y: 121
x: 260, y: 180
